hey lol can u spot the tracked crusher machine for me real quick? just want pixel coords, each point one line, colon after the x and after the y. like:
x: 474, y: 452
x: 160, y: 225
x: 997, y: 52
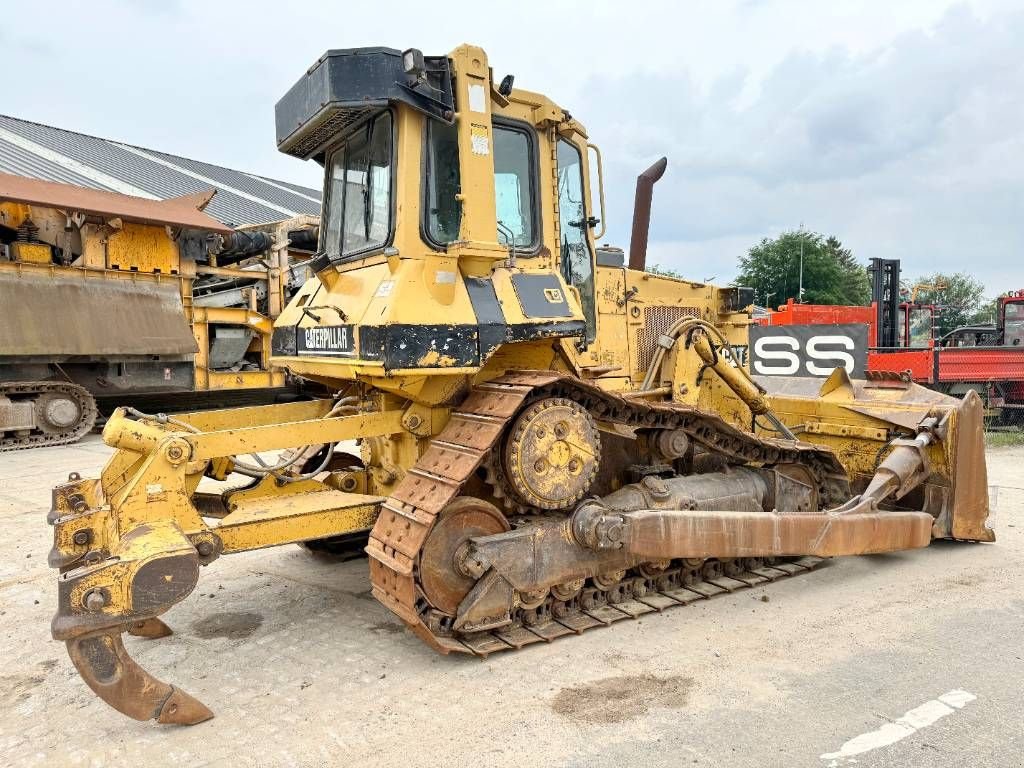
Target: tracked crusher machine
x: 549, y: 441
x: 108, y: 298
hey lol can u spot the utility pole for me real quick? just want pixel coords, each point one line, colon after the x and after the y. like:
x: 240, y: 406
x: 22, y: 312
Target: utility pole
x: 800, y: 294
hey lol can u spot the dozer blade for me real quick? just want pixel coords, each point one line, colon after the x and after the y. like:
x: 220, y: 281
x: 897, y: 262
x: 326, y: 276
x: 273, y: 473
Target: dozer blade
x: 114, y: 676
x: 970, y: 476
x: 847, y: 416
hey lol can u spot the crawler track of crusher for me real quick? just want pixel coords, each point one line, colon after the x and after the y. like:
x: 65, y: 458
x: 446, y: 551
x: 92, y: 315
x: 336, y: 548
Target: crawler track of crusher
x: 37, y: 414
x: 474, y: 430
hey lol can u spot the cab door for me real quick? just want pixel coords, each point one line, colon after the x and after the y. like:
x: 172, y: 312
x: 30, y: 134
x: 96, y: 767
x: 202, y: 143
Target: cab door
x: 576, y: 252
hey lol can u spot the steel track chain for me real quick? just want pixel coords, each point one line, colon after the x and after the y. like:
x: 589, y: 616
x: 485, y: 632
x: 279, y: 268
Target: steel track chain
x: 473, y: 430
x: 629, y: 598
x: 86, y: 406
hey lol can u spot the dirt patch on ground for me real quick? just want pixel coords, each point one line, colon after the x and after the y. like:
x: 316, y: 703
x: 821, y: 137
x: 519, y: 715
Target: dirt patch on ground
x: 966, y: 580
x: 614, y: 699
x: 365, y: 594
x: 388, y: 627
x: 233, y: 626
x: 15, y: 688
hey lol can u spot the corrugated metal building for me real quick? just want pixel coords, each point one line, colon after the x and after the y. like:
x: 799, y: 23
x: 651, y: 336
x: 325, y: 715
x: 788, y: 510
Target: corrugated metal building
x: 53, y: 154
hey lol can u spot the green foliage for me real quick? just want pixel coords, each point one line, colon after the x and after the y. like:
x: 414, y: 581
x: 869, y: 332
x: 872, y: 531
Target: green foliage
x: 657, y: 269
x: 853, y: 274
x: 831, y: 273
x: 957, y: 302
x: 987, y: 313
x: 1004, y: 439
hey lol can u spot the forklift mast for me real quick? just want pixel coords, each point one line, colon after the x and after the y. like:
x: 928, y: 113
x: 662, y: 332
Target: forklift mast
x: 885, y: 294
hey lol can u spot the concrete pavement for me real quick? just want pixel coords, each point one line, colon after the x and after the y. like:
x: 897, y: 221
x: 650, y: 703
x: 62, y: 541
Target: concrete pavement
x: 856, y: 661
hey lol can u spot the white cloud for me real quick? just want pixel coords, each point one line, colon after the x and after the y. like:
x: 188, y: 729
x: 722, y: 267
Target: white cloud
x: 897, y: 126
x: 912, y: 151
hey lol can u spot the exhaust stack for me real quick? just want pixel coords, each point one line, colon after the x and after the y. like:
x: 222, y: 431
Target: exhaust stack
x: 642, y: 213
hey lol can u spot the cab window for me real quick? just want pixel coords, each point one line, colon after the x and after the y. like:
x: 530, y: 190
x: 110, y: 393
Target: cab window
x: 444, y: 212
x: 1013, y: 329
x: 577, y: 264
x: 359, y: 191
x: 920, y: 332
x: 514, y: 186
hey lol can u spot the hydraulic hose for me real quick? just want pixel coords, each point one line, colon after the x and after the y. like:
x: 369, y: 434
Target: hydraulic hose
x: 735, y: 377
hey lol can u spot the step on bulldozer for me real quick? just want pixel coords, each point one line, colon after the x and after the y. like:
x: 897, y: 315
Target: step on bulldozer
x: 549, y: 440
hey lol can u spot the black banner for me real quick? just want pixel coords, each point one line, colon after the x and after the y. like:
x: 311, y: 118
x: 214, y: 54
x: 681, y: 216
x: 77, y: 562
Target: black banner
x: 808, y: 350
x: 325, y: 340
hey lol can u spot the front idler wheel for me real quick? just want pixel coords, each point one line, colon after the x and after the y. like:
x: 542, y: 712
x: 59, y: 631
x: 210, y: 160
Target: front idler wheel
x: 444, y: 581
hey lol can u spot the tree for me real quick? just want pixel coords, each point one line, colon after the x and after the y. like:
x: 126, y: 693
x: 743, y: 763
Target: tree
x: 854, y: 275
x: 831, y: 274
x: 957, y: 298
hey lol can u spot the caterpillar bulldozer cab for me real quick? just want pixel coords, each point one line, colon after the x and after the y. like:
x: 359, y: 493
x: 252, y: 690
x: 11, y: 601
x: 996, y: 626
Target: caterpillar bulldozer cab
x: 548, y: 442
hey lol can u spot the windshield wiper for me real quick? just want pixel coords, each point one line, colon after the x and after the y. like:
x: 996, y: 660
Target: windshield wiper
x: 366, y: 212
x: 368, y: 183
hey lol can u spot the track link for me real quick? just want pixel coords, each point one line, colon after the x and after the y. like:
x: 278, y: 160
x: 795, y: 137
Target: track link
x: 633, y: 597
x: 475, y: 428
x: 35, y: 391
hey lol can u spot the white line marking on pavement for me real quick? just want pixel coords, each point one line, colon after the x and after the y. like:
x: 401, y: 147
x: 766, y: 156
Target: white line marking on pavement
x: 911, y: 722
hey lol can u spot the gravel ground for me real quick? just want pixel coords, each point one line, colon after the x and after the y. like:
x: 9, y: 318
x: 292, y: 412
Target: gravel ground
x: 304, y: 668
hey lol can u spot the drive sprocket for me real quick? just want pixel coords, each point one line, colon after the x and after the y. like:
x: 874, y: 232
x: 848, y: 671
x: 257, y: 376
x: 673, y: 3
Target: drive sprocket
x: 551, y: 454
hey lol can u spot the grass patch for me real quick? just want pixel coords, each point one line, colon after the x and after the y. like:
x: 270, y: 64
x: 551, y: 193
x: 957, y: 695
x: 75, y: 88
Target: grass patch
x: 1004, y: 439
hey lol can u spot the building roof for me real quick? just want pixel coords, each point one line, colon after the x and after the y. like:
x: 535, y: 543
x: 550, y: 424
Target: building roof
x: 54, y: 154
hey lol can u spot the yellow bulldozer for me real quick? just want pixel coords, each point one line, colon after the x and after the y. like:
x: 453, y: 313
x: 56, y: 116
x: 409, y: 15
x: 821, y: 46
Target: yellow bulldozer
x: 549, y: 440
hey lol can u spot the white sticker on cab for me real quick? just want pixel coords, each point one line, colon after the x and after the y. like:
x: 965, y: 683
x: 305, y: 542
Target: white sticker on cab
x: 478, y: 98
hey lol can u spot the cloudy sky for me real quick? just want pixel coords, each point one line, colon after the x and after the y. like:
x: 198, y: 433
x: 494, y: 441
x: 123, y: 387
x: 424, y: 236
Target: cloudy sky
x: 899, y: 127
